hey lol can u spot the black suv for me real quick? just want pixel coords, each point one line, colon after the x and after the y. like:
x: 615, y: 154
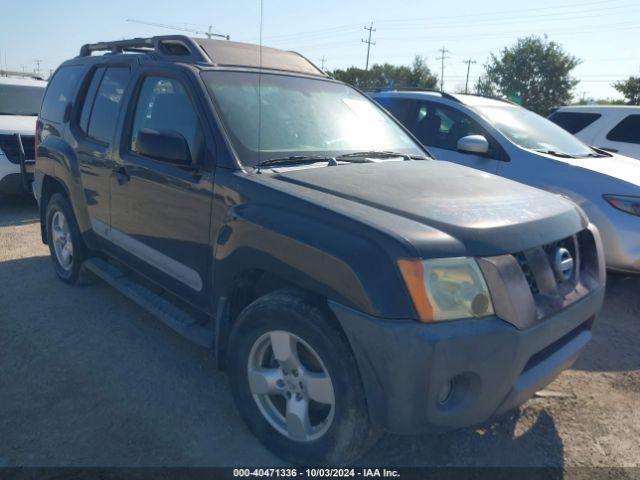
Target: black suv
x: 348, y: 282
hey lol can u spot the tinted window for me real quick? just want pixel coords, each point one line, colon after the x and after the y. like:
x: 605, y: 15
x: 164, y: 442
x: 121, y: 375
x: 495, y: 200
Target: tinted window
x: 89, y: 98
x: 435, y: 125
x: 573, y: 122
x: 106, y: 106
x: 628, y: 130
x: 60, y: 92
x: 163, y: 104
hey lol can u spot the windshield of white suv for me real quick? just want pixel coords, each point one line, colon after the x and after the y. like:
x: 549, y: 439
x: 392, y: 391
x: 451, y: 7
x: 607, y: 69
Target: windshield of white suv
x: 300, y: 115
x: 530, y: 130
x: 20, y: 99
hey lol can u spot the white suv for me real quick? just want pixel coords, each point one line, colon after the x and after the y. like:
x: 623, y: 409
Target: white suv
x: 612, y: 128
x: 20, y: 100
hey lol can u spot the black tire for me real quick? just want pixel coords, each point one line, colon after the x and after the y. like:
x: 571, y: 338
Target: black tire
x: 76, y: 274
x: 350, y: 433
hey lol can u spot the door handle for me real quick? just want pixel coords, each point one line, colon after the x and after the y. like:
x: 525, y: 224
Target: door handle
x: 121, y: 175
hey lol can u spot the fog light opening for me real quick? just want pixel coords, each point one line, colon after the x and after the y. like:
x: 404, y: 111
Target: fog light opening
x: 479, y: 305
x: 445, y: 391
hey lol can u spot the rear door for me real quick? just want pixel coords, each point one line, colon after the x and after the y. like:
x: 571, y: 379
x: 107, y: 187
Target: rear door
x: 624, y: 136
x: 93, y: 128
x: 160, y: 212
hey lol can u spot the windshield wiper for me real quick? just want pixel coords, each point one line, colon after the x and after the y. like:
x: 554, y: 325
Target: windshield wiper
x: 292, y: 160
x: 556, y: 154
x: 380, y: 154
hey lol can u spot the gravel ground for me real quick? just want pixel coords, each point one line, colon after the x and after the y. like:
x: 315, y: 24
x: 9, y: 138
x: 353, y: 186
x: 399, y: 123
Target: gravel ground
x: 89, y: 379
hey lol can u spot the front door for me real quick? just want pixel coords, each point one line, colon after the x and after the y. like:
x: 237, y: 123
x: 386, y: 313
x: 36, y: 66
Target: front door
x: 439, y: 127
x: 160, y: 211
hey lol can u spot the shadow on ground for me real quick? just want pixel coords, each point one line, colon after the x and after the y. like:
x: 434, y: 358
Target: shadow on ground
x: 16, y: 211
x: 616, y: 334
x: 495, y: 444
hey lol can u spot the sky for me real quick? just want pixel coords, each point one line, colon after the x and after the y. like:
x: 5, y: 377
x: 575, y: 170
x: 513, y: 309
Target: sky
x: 603, y: 34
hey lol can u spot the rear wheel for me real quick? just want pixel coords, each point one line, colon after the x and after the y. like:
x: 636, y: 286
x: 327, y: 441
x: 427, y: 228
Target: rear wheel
x: 296, y: 383
x: 65, y: 242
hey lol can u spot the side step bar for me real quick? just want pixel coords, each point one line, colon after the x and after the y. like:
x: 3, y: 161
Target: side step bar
x: 171, y: 315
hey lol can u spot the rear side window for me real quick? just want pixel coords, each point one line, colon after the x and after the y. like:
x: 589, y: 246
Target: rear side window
x: 89, y: 98
x: 627, y: 131
x: 60, y: 93
x: 106, y: 105
x: 573, y: 122
x: 164, y: 104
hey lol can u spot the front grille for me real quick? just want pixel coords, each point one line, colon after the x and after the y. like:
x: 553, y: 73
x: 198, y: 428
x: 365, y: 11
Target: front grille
x: 553, y: 285
x: 528, y: 274
x: 9, y: 145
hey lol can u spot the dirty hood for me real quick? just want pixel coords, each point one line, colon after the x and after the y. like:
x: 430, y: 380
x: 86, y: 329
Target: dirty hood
x: 484, y: 213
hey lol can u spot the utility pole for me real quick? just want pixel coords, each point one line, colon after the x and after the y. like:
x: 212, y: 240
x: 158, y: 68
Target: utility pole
x: 368, y: 42
x: 443, y: 56
x: 38, y: 62
x: 466, y: 85
x: 322, y: 60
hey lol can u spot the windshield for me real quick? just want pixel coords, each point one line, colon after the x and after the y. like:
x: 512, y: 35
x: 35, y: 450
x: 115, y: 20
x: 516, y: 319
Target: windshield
x: 530, y: 130
x: 20, y: 99
x: 298, y: 115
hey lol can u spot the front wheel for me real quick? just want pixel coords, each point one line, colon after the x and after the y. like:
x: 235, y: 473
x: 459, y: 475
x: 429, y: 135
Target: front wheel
x: 296, y: 383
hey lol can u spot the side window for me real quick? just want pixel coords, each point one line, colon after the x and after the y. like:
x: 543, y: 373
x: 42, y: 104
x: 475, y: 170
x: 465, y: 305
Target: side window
x: 573, y: 122
x: 59, y: 93
x: 89, y: 98
x: 404, y: 110
x: 628, y: 130
x: 441, y: 127
x: 106, y: 106
x: 163, y: 104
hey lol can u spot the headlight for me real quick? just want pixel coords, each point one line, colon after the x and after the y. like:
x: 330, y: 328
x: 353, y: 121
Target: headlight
x: 626, y: 204
x: 446, y: 288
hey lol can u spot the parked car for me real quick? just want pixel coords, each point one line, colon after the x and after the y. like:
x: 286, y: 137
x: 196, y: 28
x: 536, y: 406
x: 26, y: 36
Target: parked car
x: 346, y: 281
x: 614, y: 128
x: 503, y: 138
x: 20, y: 100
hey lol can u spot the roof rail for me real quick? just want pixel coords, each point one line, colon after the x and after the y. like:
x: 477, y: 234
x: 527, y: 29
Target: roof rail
x: 446, y: 95
x: 167, y: 46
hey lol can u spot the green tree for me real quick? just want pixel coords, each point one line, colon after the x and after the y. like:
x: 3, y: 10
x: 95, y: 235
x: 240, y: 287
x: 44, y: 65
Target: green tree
x: 630, y: 88
x: 535, y: 71
x: 417, y: 75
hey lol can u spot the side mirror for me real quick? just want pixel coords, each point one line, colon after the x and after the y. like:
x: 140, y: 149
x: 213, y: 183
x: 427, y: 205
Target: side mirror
x: 166, y: 145
x: 473, y: 144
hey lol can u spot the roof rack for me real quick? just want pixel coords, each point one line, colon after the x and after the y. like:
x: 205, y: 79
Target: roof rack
x: 222, y: 53
x: 166, y: 46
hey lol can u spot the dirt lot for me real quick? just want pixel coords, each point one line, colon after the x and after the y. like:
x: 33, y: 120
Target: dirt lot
x: 88, y: 378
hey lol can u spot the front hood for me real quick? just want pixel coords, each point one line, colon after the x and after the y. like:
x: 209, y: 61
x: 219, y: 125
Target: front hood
x: 487, y: 214
x: 616, y: 166
x: 22, y: 124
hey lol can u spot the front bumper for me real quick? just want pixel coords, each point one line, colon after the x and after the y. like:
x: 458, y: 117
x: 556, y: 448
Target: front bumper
x: 490, y: 365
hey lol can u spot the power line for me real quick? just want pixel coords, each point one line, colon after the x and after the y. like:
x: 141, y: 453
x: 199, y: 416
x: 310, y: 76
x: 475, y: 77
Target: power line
x: 369, y: 43
x: 454, y: 19
x: 209, y: 33
x: 466, y: 84
x: 443, y: 56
